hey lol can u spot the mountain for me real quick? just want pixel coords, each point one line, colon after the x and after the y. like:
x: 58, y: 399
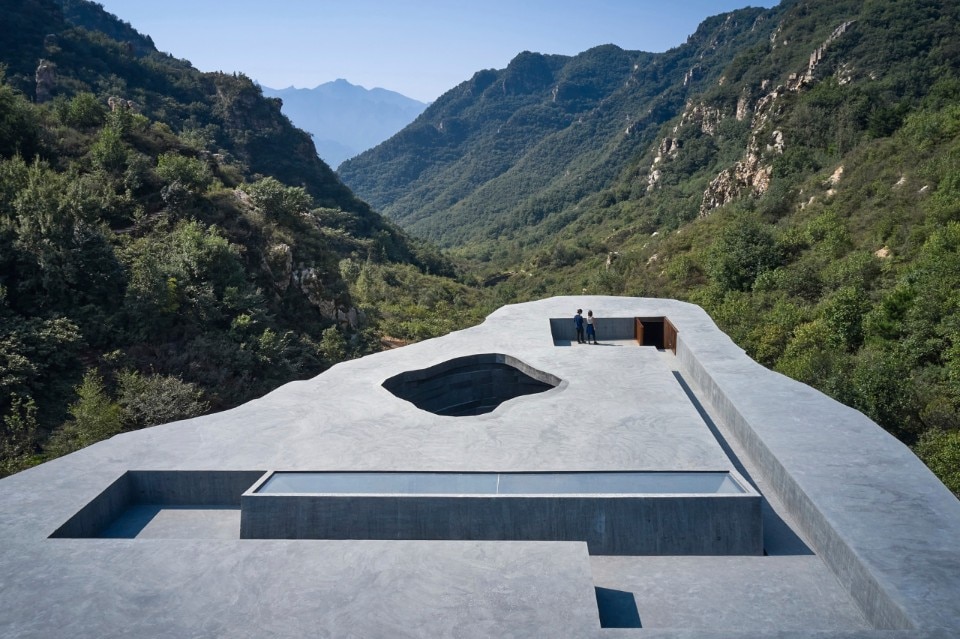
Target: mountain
x: 791, y: 170
x: 345, y: 119
x: 170, y: 243
x: 512, y: 148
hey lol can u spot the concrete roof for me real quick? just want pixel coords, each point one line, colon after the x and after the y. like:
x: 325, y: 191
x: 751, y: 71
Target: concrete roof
x: 861, y: 539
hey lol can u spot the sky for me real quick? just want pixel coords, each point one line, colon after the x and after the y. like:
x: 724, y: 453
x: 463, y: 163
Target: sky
x: 420, y: 48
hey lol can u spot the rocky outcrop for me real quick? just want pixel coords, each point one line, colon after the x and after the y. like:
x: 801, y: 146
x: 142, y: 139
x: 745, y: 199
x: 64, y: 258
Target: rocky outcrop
x: 705, y: 117
x: 699, y: 116
x: 749, y: 174
x: 752, y: 173
x: 46, y: 77
x: 310, y: 282
x: 119, y: 104
x: 278, y: 262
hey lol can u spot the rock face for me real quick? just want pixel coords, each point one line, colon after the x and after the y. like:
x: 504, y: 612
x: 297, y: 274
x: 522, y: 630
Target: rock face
x: 752, y: 173
x: 278, y: 261
x: 46, y: 81
x: 119, y: 104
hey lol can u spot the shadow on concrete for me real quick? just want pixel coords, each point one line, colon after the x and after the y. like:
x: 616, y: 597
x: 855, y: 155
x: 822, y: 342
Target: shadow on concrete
x: 174, y: 522
x: 618, y: 609
x: 131, y: 522
x: 778, y: 537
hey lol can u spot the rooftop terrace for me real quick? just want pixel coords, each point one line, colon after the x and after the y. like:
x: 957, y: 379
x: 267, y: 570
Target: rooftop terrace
x: 499, y: 481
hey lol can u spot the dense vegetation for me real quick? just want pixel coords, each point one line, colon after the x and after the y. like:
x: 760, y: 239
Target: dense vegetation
x: 170, y: 244
x: 805, y: 193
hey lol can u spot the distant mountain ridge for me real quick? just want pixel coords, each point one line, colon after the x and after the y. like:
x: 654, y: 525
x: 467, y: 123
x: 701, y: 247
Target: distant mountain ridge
x: 511, y: 148
x: 346, y: 119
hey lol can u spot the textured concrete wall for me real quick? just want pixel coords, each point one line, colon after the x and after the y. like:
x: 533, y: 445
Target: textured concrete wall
x: 668, y: 525
x: 191, y: 488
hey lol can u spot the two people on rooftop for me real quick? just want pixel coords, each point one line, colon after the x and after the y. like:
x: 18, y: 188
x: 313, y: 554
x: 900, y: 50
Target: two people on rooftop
x: 588, y: 322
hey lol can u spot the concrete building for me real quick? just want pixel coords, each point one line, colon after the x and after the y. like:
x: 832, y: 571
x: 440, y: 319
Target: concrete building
x: 502, y: 481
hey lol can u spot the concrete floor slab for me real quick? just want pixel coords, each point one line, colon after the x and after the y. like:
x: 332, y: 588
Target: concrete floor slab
x: 732, y: 593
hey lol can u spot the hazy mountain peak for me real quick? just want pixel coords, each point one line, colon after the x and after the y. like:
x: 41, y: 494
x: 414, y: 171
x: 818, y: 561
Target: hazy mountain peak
x: 346, y: 119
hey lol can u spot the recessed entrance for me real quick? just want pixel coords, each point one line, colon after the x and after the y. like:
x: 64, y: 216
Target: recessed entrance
x: 655, y: 331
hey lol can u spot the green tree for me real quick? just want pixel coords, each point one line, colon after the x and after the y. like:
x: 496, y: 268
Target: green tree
x: 148, y: 400
x: 278, y: 201
x: 19, y: 130
x: 744, y: 249
x: 83, y: 111
x: 333, y: 345
x: 192, y: 173
x: 109, y: 152
x: 19, y: 436
x: 940, y: 451
x: 95, y: 418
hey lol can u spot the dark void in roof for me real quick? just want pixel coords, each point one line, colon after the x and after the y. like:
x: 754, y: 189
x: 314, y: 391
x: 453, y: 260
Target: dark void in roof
x: 471, y: 385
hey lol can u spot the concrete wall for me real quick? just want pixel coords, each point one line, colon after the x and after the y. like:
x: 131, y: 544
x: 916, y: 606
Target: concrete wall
x: 634, y: 525
x: 191, y: 488
x: 563, y: 328
x: 161, y: 488
x: 836, y: 549
x: 96, y: 515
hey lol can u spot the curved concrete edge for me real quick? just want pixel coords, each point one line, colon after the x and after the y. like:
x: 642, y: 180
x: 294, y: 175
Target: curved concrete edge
x: 870, y: 508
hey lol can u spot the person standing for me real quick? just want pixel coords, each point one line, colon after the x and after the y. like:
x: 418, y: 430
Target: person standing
x: 591, y: 328
x: 578, y: 322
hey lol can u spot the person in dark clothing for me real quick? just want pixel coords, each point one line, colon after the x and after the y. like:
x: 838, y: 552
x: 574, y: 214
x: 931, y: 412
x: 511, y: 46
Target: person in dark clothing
x: 578, y: 322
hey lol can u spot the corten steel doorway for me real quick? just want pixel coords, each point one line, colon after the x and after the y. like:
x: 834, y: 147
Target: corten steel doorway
x: 655, y: 331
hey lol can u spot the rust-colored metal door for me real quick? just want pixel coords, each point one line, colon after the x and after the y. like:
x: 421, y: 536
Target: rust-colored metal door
x: 638, y: 330
x: 669, y: 335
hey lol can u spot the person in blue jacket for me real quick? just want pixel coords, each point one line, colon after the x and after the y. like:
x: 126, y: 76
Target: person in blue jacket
x: 578, y: 322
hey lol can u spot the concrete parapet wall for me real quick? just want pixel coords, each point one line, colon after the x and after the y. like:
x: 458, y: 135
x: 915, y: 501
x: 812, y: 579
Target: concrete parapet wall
x: 618, y: 328
x: 615, y: 525
x: 837, y: 549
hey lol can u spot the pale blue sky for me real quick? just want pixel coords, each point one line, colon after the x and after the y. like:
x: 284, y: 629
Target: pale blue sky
x: 420, y: 48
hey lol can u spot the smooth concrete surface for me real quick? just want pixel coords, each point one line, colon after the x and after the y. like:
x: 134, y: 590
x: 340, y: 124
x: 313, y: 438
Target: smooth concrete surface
x: 863, y: 511
x: 172, y: 589
x: 731, y: 593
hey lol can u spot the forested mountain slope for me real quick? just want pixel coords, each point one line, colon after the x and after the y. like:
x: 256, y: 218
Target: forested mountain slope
x: 513, y: 148
x: 805, y: 193
x: 169, y: 242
